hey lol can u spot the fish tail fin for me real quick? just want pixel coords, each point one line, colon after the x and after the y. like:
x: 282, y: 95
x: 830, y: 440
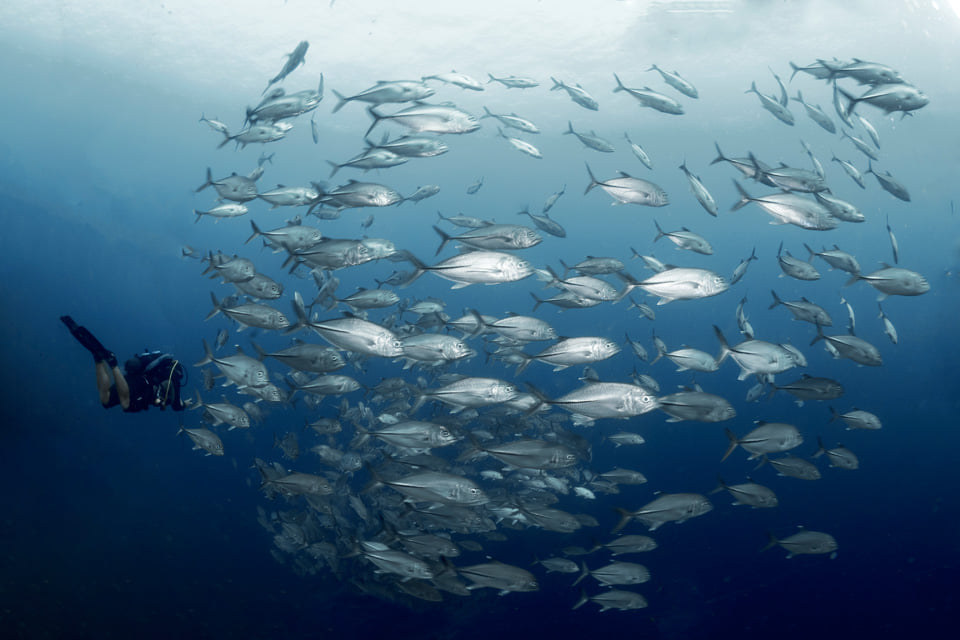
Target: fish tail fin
x: 527, y: 359
x: 820, y: 336
x: 744, y: 197
x: 771, y: 542
x: 660, y: 231
x: 226, y: 138
x: 335, y: 166
x: 855, y: 278
x: 625, y: 518
x: 584, y: 572
x: 256, y: 232
x: 539, y: 301
x: 196, y: 405
x: 557, y: 84
x: 208, y: 356
x: 217, y: 307
x: 419, y: 268
x: 584, y: 598
x: 207, y: 183
x: 820, y: 448
x: 593, y: 180
x: 734, y: 442
x: 199, y: 215
x: 261, y: 353
x: 852, y: 100
x: 753, y: 88
x: 619, y: 86
x: 487, y: 113
x: 795, y: 70
x: 724, y: 347
x: 776, y: 299
x: 538, y: 394
x: 721, y: 485
x: 833, y: 414
x: 481, y: 324
x: 341, y: 100
x: 444, y: 239
x: 720, y: 157
x: 569, y: 128
x: 376, y: 120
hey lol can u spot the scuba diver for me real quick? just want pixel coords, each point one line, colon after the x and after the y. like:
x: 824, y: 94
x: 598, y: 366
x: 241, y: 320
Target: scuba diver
x: 152, y: 379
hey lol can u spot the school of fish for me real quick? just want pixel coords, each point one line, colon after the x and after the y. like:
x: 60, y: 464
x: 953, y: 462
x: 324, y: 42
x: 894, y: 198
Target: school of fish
x: 392, y: 481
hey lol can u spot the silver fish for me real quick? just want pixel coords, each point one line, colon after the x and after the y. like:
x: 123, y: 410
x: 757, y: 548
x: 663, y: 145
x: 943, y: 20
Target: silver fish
x: 647, y: 97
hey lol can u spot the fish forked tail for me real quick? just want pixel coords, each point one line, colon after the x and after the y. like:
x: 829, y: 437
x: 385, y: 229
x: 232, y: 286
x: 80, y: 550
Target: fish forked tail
x: 207, y: 183
x: 771, y: 542
x: 625, y: 518
x: 217, y: 307
x: 256, y: 232
x: 724, y: 346
x: 820, y: 335
x: 620, y: 86
x: 593, y: 180
x: 584, y: 572
x: 527, y: 359
x: 376, y: 120
x: 208, y: 356
x: 852, y: 101
x: 584, y: 599
x: 444, y: 239
x: 341, y: 100
x: 721, y: 486
x: 660, y: 232
x: 776, y: 300
x: 745, y: 197
x: 226, y: 138
x: 734, y: 443
x: 419, y: 267
x: 557, y: 84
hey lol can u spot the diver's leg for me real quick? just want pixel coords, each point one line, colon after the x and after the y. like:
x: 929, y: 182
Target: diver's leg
x: 123, y: 389
x: 103, y: 383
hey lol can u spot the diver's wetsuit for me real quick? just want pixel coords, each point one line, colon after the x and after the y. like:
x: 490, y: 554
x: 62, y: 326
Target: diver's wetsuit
x: 154, y: 378
x: 147, y: 375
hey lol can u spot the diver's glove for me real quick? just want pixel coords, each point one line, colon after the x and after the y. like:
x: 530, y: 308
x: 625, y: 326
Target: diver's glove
x: 87, y: 339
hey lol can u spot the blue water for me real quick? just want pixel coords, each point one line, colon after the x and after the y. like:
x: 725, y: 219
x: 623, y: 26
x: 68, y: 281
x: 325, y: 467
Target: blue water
x: 113, y: 527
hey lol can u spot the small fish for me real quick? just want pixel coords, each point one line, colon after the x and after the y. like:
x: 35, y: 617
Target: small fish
x: 741, y: 269
x: 639, y: 152
x: 893, y: 243
x: 552, y: 200
x: 772, y: 105
x: 675, y: 81
x: 576, y: 93
x: 647, y: 97
x: 514, y: 82
x: 816, y: 114
x: 700, y: 192
x: 804, y: 543
x: 294, y: 59
x: 590, y: 140
x: 888, y: 327
x: 521, y: 145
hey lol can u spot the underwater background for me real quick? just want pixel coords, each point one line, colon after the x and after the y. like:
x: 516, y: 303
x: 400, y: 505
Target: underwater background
x: 113, y: 527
